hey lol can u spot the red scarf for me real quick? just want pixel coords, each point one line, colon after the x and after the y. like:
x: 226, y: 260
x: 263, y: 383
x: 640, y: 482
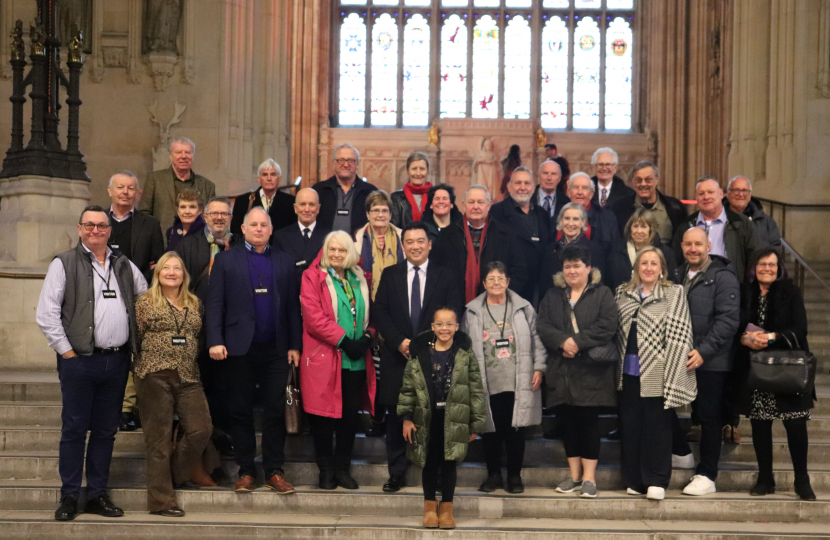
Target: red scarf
x: 409, y: 191
x: 472, y: 274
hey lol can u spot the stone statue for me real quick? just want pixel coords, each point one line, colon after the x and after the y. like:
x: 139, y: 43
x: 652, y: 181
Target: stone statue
x: 541, y: 138
x: 433, y: 134
x: 162, y: 22
x: 75, y: 46
x: 73, y: 16
x: 37, y: 38
x: 161, y: 154
x: 486, y: 167
x: 18, y: 47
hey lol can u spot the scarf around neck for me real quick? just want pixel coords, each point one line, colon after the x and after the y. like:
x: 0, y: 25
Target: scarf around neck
x: 410, y: 191
x: 472, y: 274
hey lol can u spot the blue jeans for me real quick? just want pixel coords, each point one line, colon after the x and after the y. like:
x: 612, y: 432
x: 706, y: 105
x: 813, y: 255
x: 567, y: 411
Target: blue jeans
x: 92, y: 390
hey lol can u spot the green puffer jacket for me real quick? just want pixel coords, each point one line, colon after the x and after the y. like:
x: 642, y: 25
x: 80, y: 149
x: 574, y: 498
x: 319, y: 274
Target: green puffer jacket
x: 466, y: 412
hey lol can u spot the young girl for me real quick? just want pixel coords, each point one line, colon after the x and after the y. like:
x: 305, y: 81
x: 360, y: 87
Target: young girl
x: 442, y: 399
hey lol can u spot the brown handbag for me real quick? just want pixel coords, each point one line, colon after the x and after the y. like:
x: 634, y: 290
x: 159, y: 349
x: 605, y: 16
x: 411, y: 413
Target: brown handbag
x: 293, y: 404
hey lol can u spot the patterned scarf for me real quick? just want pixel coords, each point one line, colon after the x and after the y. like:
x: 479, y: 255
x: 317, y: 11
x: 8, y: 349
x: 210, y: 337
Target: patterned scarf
x: 472, y: 274
x: 349, y: 292
x: 409, y: 191
x: 215, y: 245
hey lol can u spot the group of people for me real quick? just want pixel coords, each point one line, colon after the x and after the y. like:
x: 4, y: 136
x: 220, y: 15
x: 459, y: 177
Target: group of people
x: 444, y: 322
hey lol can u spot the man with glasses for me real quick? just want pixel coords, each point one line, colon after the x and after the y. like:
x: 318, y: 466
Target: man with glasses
x: 343, y: 196
x: 278, y: 204
x: 610, y: 187
x: 86, y: 311
x: 739, y: 199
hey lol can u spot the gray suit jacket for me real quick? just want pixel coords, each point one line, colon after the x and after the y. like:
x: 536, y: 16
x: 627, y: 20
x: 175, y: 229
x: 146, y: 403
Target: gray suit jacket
x: 159, y: 194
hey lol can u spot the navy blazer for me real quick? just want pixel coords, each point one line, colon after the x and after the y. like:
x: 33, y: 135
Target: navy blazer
x: 229, y: 318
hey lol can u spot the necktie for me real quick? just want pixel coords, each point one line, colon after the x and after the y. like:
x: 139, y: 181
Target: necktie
x: 306, y: 234
x: 547, y: 204
x: 603, y: 197
x: 415, y: 302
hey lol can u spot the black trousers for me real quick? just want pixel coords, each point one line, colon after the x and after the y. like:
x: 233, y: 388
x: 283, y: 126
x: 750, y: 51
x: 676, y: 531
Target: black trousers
x: 796, y: 440
x: 435, y: 462
x: 512, y: 439
x: 708, y: 407
x: 580, y: 430
x: 645, y: 438
x: 395, y: 443
x: 215, y: 385
x: 260, y: 366
x: 324, y: 429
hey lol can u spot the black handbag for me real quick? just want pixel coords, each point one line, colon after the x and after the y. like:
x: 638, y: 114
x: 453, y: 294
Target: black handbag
x: 786, y: 372
x: 604, y: 354
x: 293, y: 403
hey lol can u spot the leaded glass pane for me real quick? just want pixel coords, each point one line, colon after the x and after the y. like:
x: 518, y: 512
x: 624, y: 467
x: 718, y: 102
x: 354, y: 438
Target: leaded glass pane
x: 555, y: 43
x: 486, y: 3
x: 352, y: 71
x: 586, y: 75
x: 454, y: 3
x: 417, y: 2
x: 486, y: 68
x: 589, y: 4
x: 353, y: 2
x: 620, y: 4
x: 454, y: 68
x: 618, y: 75
x: 556, y: 3
x: 384, y: 71
x: 416, y: 71
x: 385, y: 2
x: 517, y: 68
x: 518, y: 3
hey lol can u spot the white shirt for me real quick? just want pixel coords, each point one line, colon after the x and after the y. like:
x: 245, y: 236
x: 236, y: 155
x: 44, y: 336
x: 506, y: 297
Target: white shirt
x: 115, y: 217
x: 422, y: 276
x: 266, y: 202
x: 309, y: 227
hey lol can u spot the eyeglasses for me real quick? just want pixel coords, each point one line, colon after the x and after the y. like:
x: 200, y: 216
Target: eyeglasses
x: 343, y: 161
x: 379, y: 211
x: 444, y: 325
x: 496, y: 280
x: 605, y: 165
x: 768, y: 265
x: 740, y: 191
x: 89, y: 227
x: 214, y: 215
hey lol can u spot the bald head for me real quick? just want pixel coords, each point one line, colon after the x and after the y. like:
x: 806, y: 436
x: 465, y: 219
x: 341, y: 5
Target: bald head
x: 307, y: 206
x: 257, y: 228
x: 696, y: 248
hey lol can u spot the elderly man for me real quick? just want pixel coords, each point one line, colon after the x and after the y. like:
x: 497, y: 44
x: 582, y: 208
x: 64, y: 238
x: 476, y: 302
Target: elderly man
x: 550, y: 193
x: 278, y: 204
x: 739, y: 199
x: 86, y: 311
x: 343, y: 196
x: 602, y: 225
x: 303, y: 240
x: 530, y: 222
x: 610, y: 187
x: 669, y: 212
x: 253, y: 323
x: 731, y: 234
x: 162, y: 187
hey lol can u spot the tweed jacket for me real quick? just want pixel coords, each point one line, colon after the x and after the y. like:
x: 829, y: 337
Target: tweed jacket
x: 664, y: 338
x: 159, y: 194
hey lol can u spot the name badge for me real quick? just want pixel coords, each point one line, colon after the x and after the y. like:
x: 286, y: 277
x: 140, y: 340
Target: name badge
x: 114, y: 246
x: 342, y: 211
x: 260, y: 291
x: 502, y: 343
x: 299, y: 263
x: 441, y: 405
x: 534, y: 238
x: 179, y: 341
x: 108, y: 293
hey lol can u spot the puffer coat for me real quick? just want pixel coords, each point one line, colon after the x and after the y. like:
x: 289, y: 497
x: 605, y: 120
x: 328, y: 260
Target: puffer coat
x: 465, y: 409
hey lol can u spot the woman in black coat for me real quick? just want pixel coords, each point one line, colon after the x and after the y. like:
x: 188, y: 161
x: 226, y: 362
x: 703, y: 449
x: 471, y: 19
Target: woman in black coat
x: 409, y: 203
x: 639, y: 232
x: 773, y: 303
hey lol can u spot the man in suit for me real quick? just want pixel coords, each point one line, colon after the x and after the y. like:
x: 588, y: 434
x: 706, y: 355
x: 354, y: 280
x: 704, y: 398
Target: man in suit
x: 253, y: 323
x: 303, y: 240
x: 602, y: 225
x: 408, y: 295
x: 343, y: 196
x: 550, y: 193
x: 610, y: 187
x: 278, y: 204
x: 162, y: 187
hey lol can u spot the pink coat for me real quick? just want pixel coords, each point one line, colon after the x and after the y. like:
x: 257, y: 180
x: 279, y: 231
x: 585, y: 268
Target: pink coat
x: 320, y: 363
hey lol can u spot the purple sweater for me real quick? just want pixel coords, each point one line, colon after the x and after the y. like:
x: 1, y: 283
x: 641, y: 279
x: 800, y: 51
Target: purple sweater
x: 261, y: 270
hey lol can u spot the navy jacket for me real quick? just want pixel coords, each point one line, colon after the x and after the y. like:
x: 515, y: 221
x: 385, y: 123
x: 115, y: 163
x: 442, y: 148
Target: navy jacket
x: 229, y: 318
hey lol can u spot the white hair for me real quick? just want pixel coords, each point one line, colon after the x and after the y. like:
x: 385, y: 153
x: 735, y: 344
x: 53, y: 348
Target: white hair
x: 268, y: 165
x: 581, y: 174
x: 604, y: 150
x: 345, y: 145
x: 184, y: 140
x: 572, y: 206
x: 124, y: 173
x: 482, y: 188
x: 732, y: 181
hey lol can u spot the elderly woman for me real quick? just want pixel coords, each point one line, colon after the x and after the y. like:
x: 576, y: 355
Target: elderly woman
x: 639, y: 232
x: 511, y: 359
x: 774, y: 306
x: 410, y: 203
x: 337, y: 377
x: 188, y: 220
x: 169, y: 321
x: 577, y: 324
x: 378, y: 242
x: 654, y: 339
x: 571, y: 224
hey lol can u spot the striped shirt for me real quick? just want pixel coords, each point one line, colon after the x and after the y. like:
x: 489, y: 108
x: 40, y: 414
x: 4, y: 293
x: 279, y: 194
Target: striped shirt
x: 112, y: 324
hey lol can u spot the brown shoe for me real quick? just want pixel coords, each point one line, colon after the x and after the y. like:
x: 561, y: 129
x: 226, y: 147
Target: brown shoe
x: 245, y: 484
x: 279, y: 484
x: 431, y: 514
x: 445, y: 519
x: 201, y: 477
x: 731, y: 435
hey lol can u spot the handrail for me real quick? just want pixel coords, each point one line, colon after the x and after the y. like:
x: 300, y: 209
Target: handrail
x: 800, y: 266
x: 784, y: 205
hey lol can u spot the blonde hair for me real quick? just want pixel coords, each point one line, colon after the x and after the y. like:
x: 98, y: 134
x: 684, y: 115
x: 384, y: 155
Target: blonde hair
x: 342, y: 238
x: 634, y: 284
x: 185, y: 298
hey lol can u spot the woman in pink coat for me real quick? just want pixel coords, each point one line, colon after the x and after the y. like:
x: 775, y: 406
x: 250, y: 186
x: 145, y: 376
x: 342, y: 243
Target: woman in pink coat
x: 337, y: 377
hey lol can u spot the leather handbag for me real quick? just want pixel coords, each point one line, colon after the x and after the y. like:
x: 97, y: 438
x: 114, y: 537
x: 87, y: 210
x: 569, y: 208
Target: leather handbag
x: 293, y: 404
x: 786, y: 372
x: 604, y: 354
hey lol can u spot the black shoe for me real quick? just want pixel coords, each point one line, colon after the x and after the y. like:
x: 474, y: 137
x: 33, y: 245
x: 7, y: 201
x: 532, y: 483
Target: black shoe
x: 345, y: 480
x: 613, y: 435
x: 103, y: 506
x: 128, y: 422
x: 515, y: 485
x: 327, y: 480
x: 378, y: 429
x: 169, y: 512
x: 187, y: 484
x: 492, y: 483
x: 395, y: 483
x: 803, y: 488
x: 764, y: 486
x: 68, y: 508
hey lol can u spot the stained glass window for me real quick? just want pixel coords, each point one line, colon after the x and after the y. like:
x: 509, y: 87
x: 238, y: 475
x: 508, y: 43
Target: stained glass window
x: 586, y: 74
x: 417, y: 2
x: 590, y: 4
x: 556, y: 3
x: 486, y: 68
x: 385, y: 71
x: 618, y: 75
x: 517, y: 68
x: 620, y: 4
x: 555, y: 41
x: 454, y: 3
x: 486, y: 3
x: 385, y: 2
x: 353, y: 71
x: 519, y: 3
x: 353, y: 2
x: 454, y: 68
x: 416, y: 72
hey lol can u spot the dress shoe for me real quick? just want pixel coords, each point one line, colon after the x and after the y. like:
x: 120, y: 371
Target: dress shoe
x: 431, y: 514
x: 515, y: 485
x: 492, y: 483
x: 188, y: 485
x: 731, y: 435
x: 395, y: 483
x: 103, y: 506
x: 128, y: 422
x: 613, y: 435
x: 327, y: 480
x: 445, y: 519
x: 169, y: 512
x: 278, y: 483
x: 200, y: 477
x: 378, y: 429
x: 344, y: 479
x: 68, y: 508
x: 245, y: 484
x: 765, y: 485
x: 803, y: 488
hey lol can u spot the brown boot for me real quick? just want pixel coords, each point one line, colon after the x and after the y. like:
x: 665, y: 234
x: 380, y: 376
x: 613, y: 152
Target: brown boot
x: 201, y: 477
x: 445, y: 519
x: 431, y: 514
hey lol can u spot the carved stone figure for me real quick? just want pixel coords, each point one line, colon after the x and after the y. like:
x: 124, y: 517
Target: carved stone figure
x: 161, y: 154
x: 162, y: 23
x: 541, y: 138
x: 77, y: 13
x: 18, y: 47
x: 486, y: 167
x: 433, y: 134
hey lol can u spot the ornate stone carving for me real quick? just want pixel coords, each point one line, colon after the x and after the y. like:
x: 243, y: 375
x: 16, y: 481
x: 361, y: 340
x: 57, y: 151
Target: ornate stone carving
x: 162, y: 66
x: 115, y: 57
x: 161, y: 158
x: 189, y: 70
x: 162, y: 23
x: 433, y: 134
x: 77, y: 14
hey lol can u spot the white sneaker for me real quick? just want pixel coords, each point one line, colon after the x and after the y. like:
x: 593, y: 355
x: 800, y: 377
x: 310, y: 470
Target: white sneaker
x: 683, y: 462
x: 656, y: 493
x: 700, y: 485
x: 632, y: 491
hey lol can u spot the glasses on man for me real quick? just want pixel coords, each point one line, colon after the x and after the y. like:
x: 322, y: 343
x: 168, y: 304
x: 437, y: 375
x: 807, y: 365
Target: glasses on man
x: 739, y: 191
x: 379, y: 211
x: 605, y: 165
x: 501, y: 280
x: 214, y: 215
x: 344, y: 161
x: 89, y: 227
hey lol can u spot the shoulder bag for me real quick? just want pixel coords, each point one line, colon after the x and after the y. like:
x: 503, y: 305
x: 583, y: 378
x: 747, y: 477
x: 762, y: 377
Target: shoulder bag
x: 787, y: 372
